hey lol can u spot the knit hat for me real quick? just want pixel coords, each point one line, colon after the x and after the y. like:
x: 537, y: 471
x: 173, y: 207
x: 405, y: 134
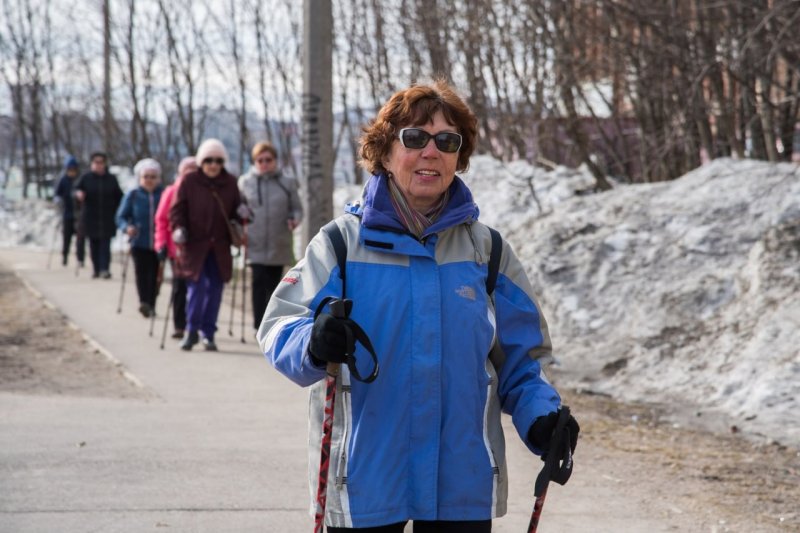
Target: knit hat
x: 211, y: 148
x: 146, y: 164
x: 185, y: 162
x: 70, y: 162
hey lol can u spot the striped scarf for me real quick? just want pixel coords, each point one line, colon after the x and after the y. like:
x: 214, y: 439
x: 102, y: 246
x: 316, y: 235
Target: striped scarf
x: 414, y: 221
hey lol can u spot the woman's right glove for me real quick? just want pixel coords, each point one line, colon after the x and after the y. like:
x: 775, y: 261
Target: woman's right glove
x: 541, y: 432
x: 331, y: 338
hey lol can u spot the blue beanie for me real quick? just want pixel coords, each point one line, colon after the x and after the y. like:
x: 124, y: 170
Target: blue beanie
x: 70, y: 162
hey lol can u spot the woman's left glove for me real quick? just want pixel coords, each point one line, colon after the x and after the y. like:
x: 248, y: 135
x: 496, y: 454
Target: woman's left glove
x: 541, y: 432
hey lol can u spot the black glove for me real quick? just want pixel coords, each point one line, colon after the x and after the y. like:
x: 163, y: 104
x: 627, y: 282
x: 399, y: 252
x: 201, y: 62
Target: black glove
x: 331, y: 339
x: 162, y: 254
x: 541, y: 432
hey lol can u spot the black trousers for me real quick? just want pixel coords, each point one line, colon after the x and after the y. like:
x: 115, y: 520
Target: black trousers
x: 265, y: 279
x: 100, y: 250
x: 67, y: 231
x: 423, y: 526
x: 178, y: 299
x: 146, y: 264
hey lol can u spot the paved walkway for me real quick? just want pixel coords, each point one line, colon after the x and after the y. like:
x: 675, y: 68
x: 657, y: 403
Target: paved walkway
x: 218, y: 444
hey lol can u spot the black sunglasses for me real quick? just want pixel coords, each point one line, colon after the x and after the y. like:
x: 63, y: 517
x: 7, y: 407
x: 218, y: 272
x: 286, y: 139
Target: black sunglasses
x: 217, y: 160
x: 417, y: 139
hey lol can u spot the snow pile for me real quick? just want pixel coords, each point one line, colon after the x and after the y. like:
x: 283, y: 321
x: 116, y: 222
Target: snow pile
x: 35, y: 223
x: 683, y: 292
x: 32, y: 223
x: 509, y: 193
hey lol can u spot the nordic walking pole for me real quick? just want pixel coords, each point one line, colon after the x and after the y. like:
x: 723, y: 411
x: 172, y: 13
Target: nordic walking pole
x: 124, y: 276
x: 340, y: 308
x: 169, y: 308
x: 159, y: 279
x: 233, y: 299
x: 79, y: 238
x: 557, y: 466
x: 244, y: 286
x: 332, y: 369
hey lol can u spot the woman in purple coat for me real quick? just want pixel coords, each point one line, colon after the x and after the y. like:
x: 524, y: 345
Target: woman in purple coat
x: 203, y: 206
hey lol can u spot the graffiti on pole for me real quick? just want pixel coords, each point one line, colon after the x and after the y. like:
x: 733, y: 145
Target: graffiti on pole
x: 312, y: 157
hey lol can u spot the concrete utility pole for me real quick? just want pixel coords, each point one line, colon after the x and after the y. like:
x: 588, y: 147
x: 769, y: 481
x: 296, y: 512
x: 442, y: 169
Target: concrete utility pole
x: 317, y: 137
x: 108, y: 127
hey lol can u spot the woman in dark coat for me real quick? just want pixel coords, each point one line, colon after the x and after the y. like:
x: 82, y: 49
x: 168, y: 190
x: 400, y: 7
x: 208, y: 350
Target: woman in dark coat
x: 99, y: 194
x: 203, y: 206
x: 63, y: 197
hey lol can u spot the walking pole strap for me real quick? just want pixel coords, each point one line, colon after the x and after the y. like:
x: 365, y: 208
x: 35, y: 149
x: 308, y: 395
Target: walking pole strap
x: 558, y: 463
x: 557, y: 466
x: 341, y: 309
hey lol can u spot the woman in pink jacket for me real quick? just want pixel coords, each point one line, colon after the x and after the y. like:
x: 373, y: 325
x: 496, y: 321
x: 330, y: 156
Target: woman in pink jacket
x: 166, y: 247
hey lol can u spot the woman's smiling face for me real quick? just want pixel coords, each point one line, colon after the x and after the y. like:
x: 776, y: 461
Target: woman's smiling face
x: 423, y: 175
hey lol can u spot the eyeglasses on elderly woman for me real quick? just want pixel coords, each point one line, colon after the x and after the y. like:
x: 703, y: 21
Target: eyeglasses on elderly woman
x: 417, y: 139
x: 213, y: 161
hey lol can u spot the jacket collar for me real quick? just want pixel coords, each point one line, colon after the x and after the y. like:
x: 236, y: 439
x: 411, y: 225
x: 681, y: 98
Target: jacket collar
x: 377, y: 211
x: 267, y: 175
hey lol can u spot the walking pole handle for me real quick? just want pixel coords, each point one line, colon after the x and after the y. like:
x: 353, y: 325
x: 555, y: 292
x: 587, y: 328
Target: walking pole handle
x: 337, y: 308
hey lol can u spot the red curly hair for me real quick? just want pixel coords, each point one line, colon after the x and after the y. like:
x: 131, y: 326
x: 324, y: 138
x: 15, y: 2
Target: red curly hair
x: 416, y: 106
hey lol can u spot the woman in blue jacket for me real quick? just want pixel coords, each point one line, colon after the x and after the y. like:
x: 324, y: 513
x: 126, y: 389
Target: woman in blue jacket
x: 136, y: 217
x: 423, y: 441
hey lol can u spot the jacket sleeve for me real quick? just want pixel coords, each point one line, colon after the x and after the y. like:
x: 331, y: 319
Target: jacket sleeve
x: 523, y: 346
x: 60, y: 193
x: 162, y: 219
x: 178, y: 211
x: 237, y: 200
x: 286, y: 327
x: 124, y: 216
x: 240, y: 183
x: 297, y: 206
x: 80, y: 185
x: 117, y: 191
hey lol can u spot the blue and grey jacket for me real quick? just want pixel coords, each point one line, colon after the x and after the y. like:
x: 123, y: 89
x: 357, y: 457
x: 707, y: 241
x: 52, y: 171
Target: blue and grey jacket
x: 138, y: 208
x: 424, y: 440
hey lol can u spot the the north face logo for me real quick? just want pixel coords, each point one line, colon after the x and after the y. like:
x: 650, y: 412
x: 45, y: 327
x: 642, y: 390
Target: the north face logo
x: 466, y: 292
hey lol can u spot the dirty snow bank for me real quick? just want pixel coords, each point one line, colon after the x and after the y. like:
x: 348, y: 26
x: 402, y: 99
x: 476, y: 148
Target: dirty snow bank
x: 685, y: 293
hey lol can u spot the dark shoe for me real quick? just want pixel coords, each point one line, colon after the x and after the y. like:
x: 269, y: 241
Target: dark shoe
x: 189, y: 340
x: 105, y: 274
x: 209, y: 345
x: 177, y: 334
x: 95, y: 275
x: 64, y: 260
x: 146, y: 310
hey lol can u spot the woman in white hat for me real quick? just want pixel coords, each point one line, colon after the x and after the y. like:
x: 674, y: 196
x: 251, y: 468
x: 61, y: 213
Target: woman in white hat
x: 206, y: 201
x: 136, y: 217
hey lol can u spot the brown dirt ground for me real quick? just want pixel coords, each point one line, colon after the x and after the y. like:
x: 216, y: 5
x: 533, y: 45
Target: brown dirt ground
x: 41, y: 353
x: 756, y: 487
x: 707, y: 474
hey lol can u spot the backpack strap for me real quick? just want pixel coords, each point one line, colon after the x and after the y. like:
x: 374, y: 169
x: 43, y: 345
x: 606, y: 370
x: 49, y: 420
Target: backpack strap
x: 334, y: 234
x: 494, y: 260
